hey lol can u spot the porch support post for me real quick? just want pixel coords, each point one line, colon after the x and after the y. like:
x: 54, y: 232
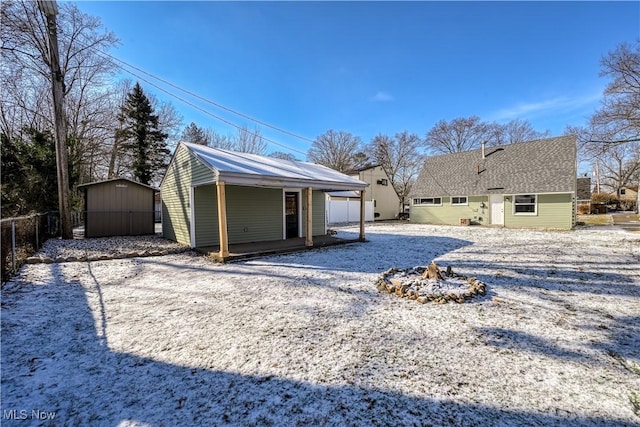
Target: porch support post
x: 362, y: 207
x: 222, y: 220
x: 309, y: 224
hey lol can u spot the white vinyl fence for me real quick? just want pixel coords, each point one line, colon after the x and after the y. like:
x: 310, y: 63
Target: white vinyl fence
x: 341, y: 211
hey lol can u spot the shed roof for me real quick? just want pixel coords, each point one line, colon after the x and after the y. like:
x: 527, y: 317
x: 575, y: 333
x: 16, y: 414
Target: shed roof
x: 89, y: 184
x: 250, y: 169
x: 540, y: 166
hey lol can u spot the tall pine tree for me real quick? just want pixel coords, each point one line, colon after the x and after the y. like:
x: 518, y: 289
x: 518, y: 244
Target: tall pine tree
x: 142, y: 138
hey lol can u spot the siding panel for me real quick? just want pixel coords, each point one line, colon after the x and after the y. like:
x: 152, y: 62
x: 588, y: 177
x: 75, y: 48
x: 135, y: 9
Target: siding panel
x: 183, y: 170
x: 206, y: 215
x: 451, y: 214
x: 119, y: 208
x: 554, y: 211
x: 254, y: 214
x: 387, y: 201
x: 318, y: 213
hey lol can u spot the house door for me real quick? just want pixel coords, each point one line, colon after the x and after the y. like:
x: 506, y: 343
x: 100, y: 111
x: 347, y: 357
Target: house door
x: 496, y: 206
x: 291, y: 214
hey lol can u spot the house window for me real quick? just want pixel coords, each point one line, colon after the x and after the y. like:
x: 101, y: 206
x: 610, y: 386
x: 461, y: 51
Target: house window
x: 427, y: 201
x: 622, y: 191
x: 525, y: 204
x: 459, y: 200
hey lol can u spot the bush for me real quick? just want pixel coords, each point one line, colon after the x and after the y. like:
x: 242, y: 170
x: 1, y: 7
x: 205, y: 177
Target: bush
x: 628, y: 205
x: 604, y: 199
x: 584, y: 209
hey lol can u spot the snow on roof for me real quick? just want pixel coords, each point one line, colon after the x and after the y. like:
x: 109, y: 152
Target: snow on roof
x: 350, y: 194
x: 251, y: 169
x: 88, y: 184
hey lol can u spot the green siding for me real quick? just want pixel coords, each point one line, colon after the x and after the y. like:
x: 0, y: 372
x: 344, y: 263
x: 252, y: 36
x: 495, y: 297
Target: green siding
x: 254, y: 214
x: 318, y: 214
x: 206, y: 215
x: 554, y: 211
x: 451, y: 214
x: 183, y: 170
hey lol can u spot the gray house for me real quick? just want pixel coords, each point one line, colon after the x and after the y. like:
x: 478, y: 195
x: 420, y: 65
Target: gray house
x: 214, y: 198
x: 528, y: 184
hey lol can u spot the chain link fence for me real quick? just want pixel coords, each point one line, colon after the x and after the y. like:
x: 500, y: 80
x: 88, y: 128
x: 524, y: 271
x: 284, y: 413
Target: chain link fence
x: 22, y: 237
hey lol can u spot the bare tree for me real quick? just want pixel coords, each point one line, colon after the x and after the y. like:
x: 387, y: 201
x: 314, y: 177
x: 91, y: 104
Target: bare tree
x: 217, y: 140
x: 620, y: 166
x: 515, y: 131
x: 195, y: 135
x: 119, y: 159
x: 170, y: 120
x: 401, y: 159
x: 283, y: 156
x: 335, y: 149
x: 461, y: 134
x: 247, y: 141
x: 84, y: 71
x: 617, y: 121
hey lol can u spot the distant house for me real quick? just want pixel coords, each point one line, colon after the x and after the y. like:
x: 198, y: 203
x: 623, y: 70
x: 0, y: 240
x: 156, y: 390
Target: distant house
x: 118, y: 207
x: 629, y: 198
x: 528, y: 184
x: 214, y: 198
x: 381, y: 200
x: 628, y: 193
x: 386, y: 203
x: 583, y: 190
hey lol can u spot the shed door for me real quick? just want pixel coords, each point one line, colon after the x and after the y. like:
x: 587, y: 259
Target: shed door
x: 496, y: 206
x: 291, y: 214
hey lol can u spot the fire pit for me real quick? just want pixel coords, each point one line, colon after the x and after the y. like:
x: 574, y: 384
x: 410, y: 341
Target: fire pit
x: 430, y: 284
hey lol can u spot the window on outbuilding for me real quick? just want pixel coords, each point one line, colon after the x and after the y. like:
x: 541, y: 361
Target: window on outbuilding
x: 427, y: 201
x: 461, y: 200
x: 525, y: 204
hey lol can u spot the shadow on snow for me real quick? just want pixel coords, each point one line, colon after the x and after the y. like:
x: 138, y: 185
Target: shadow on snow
x: 61, y: 361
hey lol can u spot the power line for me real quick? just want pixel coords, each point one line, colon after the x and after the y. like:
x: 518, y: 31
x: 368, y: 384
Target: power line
x: 208, y: 112
x: 195, y: 95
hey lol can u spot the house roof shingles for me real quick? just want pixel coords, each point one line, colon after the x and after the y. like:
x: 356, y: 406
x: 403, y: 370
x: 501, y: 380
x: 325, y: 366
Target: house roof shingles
x: 540, y: 166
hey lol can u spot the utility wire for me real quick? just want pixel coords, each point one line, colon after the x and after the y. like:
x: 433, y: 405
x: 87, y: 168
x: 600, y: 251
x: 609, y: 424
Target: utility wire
x: 195, y: 95
x: 208, y: 112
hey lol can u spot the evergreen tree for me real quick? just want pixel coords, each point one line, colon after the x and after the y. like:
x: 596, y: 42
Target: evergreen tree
x: 28, y: 179
x: 195, y: 135
x: 142, y: 138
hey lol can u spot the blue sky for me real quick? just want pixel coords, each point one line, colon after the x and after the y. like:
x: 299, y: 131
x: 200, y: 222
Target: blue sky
x: 374, y: 67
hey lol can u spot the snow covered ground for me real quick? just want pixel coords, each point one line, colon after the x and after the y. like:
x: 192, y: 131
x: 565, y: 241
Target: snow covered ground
x: 306, y: 339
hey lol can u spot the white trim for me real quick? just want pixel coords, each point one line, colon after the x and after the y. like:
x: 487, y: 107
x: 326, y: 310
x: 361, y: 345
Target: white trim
x: 535, y: 205
x: 426, y: 204
x: 491, y: 207
x: 192, y: 221
x: 541, y: 194
x: 284, y: 210
x: 459, y: 204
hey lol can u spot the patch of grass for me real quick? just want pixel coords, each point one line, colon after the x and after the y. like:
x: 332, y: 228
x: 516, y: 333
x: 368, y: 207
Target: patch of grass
x: 600, y: 219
